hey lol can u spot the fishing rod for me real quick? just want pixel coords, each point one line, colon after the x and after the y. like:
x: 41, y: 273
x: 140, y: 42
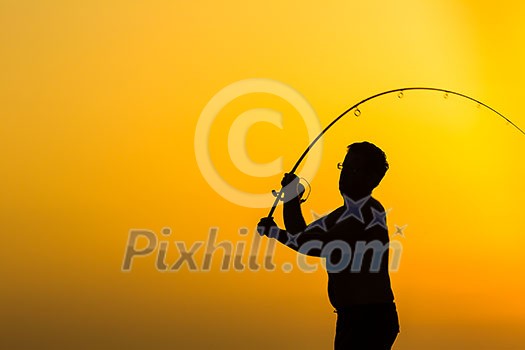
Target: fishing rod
x: 357, y: 112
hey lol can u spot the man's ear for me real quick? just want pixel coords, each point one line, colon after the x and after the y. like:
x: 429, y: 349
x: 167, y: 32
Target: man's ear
x: 373, y: 180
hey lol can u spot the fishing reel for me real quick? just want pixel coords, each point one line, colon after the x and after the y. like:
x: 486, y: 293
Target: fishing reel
x: 300, y: 189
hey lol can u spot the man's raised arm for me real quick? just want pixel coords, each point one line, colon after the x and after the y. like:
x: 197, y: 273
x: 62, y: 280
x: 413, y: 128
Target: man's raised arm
x: 292, y: 214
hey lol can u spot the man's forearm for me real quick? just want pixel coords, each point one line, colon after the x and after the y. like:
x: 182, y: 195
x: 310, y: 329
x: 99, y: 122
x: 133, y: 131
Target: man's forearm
x: 307, y: 244
x: 293, y: 216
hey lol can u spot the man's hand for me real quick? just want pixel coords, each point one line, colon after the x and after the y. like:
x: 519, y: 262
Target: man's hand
x: 267, y: 227
x: 290, y: 179
x: 291, y: 186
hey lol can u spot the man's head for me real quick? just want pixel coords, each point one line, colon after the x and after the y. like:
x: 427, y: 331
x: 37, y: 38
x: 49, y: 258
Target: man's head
x: 362, y: 170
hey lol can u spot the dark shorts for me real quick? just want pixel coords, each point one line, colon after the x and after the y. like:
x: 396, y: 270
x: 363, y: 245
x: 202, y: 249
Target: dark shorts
x: 366, y: 327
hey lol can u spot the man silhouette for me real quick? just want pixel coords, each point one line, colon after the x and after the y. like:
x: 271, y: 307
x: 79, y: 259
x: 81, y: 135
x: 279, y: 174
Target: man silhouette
x: 354, y: 240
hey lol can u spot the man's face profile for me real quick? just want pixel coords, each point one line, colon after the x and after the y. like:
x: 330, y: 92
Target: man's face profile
x: 355, y: 179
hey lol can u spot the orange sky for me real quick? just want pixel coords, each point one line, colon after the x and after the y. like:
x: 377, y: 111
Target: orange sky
x: 100, y: 102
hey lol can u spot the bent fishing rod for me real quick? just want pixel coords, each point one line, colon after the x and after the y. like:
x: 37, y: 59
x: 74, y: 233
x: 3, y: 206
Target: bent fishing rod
x: 357, y: 112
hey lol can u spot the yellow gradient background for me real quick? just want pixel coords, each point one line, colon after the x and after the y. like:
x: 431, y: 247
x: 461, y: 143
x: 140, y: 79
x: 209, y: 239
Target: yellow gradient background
x: 99, y: 101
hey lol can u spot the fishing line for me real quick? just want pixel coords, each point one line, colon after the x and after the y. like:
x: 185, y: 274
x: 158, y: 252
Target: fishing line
x: 357, y: 113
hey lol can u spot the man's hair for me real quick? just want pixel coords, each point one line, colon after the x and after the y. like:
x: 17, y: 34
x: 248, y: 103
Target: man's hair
x: 375, y: 159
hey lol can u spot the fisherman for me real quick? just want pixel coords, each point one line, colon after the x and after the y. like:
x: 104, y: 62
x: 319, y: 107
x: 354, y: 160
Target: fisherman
x: 358, y: 282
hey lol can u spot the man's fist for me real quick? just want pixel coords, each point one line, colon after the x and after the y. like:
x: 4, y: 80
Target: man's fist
x: 267, y: 227
x: 291, y: 186
x: 290, y: 179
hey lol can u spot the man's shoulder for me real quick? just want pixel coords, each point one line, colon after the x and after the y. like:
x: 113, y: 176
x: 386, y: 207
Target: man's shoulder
x: 356, y: 217
x: 374, y: 203
x: 375, y: 219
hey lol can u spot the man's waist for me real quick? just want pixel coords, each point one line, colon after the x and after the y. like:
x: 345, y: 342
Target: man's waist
x: 378, y: 306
